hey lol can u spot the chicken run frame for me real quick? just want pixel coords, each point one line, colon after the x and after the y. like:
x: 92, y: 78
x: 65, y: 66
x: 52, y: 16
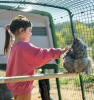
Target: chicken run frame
x: 67, y: 17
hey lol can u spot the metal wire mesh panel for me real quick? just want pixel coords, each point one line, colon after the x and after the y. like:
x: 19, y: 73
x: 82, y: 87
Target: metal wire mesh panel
x: 83, y: 25
x: 89, y: 87
x: 63, y: 31
x: 70, y: 88
x: 83, y: 20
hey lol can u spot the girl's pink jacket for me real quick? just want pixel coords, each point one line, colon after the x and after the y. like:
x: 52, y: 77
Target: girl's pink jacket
x: 23, y: 59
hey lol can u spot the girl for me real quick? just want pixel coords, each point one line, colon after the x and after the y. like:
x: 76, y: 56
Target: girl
x: 24, y: 57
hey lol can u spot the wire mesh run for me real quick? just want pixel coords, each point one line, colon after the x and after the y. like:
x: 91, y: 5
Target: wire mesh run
x: 80, y: 14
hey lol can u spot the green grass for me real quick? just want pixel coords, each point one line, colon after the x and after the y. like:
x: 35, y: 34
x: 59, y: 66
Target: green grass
x: 85, y: 79
x: 63, y: 81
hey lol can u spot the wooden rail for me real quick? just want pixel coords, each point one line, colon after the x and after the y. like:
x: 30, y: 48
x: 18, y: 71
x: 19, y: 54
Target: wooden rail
x: 35, y: 77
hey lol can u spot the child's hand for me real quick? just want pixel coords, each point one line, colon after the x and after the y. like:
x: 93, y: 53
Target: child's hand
x: 66, y: 49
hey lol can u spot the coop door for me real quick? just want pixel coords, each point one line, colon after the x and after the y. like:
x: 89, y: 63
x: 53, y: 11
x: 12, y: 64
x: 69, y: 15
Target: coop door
x: 2, y: 40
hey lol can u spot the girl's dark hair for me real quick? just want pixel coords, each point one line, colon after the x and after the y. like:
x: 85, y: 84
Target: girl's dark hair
x: 18, y: 22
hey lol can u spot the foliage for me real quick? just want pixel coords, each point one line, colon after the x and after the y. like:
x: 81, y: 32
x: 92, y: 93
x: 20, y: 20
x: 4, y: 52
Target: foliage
x: 85, y: 79
x: 82, y: 30
x: 76, y: 81
x: 64, y: 81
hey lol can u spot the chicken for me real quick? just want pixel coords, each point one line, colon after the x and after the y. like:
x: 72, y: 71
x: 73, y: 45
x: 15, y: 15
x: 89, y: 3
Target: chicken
x: 76, y: 59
